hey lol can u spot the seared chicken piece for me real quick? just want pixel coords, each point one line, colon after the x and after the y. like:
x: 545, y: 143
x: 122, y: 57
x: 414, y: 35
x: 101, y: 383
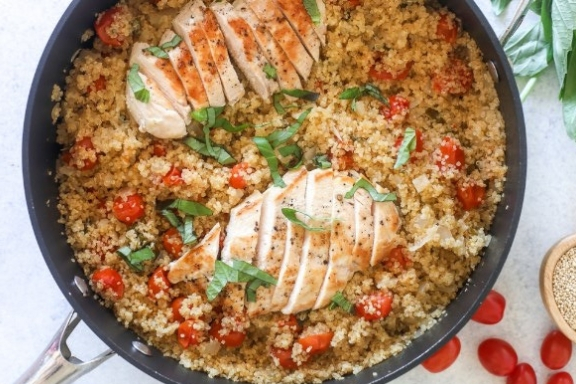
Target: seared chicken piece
x: 157, y: 116
x: 162, y: 72
x: 183, y: 64
x: 199, y: 262
x: 273, y: 19
x: 286, y: 72
x: 386, y: 225
x: 315, y: 250
x: 191, y: 30
x: 364, y: 228
x: 244, y: 49
x: 298, y: 17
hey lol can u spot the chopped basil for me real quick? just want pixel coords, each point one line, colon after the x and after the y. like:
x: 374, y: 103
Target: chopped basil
x: 276, y: 100
x: 312, y: 9
x: 294, y: 151
x: 171, y: 217
x: 207, y: 116
x: 291, y: 215
x: 407, y: 146
x: 297, y: 93
x: 191, y: 208
x: 339, y: 300
x: 135, y: 259
x: 322, y: 162
x: 218, y: 153
x: 268, y: 152
x: 137, y: 85
x: 376, y: 196
x: 185, y: 227
x: 254, y: 272
x: 277, y: 138
x: 238, y: 272
x: 366, y: 90
x: 161, y: 51
x: 187, y: 231
x: 270, y: 71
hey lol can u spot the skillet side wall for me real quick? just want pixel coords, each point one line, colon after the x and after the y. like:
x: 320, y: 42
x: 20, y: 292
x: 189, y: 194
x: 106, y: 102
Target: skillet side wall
x: 40, y: 152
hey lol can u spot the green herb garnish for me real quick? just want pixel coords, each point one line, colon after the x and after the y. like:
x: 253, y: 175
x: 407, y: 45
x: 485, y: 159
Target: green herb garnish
x: 278, y: 138
x: 270, y: 71
x: 238, y: 272
x: 161, y: 51
x: 498, y: 6
x: 297, y: 93
x: 339, y: 300
x: 322, y: 162
x: 356, y: 93
x: 135, y: 259
x: 407, y: 146
x: 267, y: 151
x: 189, y: 209
x: 220, y: 154
x: 376, y: 196
x: 291, y: 215
x: 312, y: 9
x: 137, y: 85
x: 295, y: 152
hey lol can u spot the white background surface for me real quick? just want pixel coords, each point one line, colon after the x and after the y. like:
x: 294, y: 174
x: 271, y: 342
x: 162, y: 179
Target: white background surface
x: 32, y: 308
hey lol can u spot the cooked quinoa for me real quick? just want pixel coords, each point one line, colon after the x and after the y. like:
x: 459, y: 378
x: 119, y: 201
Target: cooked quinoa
x: 442, y: 241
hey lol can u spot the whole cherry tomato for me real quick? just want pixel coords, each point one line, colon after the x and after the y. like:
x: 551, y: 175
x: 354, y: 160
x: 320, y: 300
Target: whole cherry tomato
x: 470, y: 195
x: 556, y: 350
x: 158, y: 283
x: 172, y: 242
x: 237, y: 175
x: 491, y: 311
x: 560, y: 378
x: 316, y: 344
x: 109, y: 282
x: 231, y: 339
x: 497, y: 356
x: 522, y: 374
x: 105, y: 29
x: 451, y: 155
x: 187, y: 334
x: 444, y: 357
x: 128, y: 208
x: 375, y: 306
x: 284, y: 357
x: 82, y: 155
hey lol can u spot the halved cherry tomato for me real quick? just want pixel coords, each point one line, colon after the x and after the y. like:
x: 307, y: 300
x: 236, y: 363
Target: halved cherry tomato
x: 470, y: 195
x: 451, y: 155
x: 284, y: 357
x: 316, y: 344
x: 159, y: 150
x: 290, y: 322
x: 98, y: 85
x: 82, y: 155
x: 497, y: 356
x: 397, y: 260
x: 176, y: 305
x: 375, y: 306
x: 446, y: 29
x: 128, y: 209
x: 187, y: 335
x: 388, y: 74
x: 231, y: 338
x: 444, y: 357
x: 103, y: 26
x: 354, y: 3
x: 158, y: 283
x: 556, y: 350
x: 456, y: 78
x: 109, y: 282
x: 522, y: 374
x: 398, y: 106
x: 491, y: 311
x: 173, y: 177
x: 560, y: 378
x: 172, y: 242
x: 237, y: 176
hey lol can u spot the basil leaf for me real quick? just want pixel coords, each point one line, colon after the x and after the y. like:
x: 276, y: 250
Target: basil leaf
x: 158, y: 52
x: 270, y: 71
x: 171, y: 217
x: 218, y: 153
x: 137, y: 85
x: 312, y: 9
x: 268, y: 152
x: 135, y: 259
x: 219, y: 280
x: 191, y: 208
x: 229, y: 127
x: 302, y: 94
x: 528, y: 51
x: 546, y: 18
x: 294, y: 151
x: 238, y: 272
x: 251, y: 290
x: 374, y: 91
x: 339, y: 300
x: 276, y: 100
x: 322, y: 162
x: 536, y: 6
x: 569, y: 98
x: 291, y: 215
x: 357, y: 92
x: 187, y: 231
x: 207, y: 115
x: 176, y: 40
x: 277, y: 138
x: 254, y: 272
x: 407, y: 146
x: 498, y: 6
x: 563, y: 25
x: 351, y: 93
x: 376, y: 196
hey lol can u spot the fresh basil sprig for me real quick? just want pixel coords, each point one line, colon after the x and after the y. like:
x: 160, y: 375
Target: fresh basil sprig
x: 137, y: 85
x: 136, y: 259
x: 356, y: 93
x: 162, y: 50
x: 267, y: 151
x: 407, y: 146
x: 322, y: 162
x: 376, y: 196
x: 238, y: 272
x: 339, y: 300
x: 292, y: 215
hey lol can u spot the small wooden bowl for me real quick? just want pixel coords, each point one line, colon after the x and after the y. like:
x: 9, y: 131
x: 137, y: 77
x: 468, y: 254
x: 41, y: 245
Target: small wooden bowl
x: 546, y: 275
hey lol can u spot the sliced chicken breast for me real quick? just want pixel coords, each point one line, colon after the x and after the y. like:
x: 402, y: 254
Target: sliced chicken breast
x: 285, y: 70
x: 199, y: 262
x: 271, y: 16
x: 158, y: 116
x: 162, y: 72
x: 272, y: 237
x: 364, y: 228
x: 244, y: 49
x: 191, y: 30
x: 341, y: 262
x: 386, y: 225
x: 315, y: 250
x: 182, y: 62
x: 300, y: 20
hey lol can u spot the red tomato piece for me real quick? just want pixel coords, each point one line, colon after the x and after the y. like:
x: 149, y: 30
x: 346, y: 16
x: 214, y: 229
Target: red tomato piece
x: 158, y: 284
x: 82, y: 155
x: 128, y: 208
x: 491, y: 311
x: 375, y: 306
x: 398, y: 106
x: 556, y: 350
x: 456, y: 78
x: 104, y: 26
x: 354, y: 3
x: 176, y: 305
x: 497, y: 356
x: 451, y: 155
x: 316, y: 344
x: 444, y: 357
x: 390, y: 75
x: 237, y: 175
x: 188, y: 335
x: 284, y: 358
x: 172, y: 242
x: 173, y: 177
x: 290, y: 322
x: 109, y: 282
x: 447, y: 29
x: 522, y: 374
x: 560, y: 378
x: 98, y: 85
x: 228, y: 338
x: 398, y: 260
x: 159, y: 150
x: 470, y: 195
x: 343, y: 160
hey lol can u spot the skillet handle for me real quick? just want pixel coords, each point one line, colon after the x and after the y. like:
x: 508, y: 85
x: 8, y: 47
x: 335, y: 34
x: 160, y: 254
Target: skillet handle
x: 56, y: 365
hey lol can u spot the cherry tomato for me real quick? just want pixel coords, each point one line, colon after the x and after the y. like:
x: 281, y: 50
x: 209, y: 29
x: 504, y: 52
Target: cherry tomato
x: 560, y: 378
x: 354, y: 3
x: 104, y: 26
x: 446, y: 29
x: 290, y: 322
x: 158, y: 283
x: 128, y: 209
x: 491, y: 311
x: 284, y: 357
x: 316, y: 344
x: 375, y: 306
x: 390, y: 75
x: 470, y: 195
x: 456, y: 78
x: 451, y: 155
x: 523, y: 373
x: 231, y: 339
x: 398, y: 106
x: 98, y: 85
x: 497, y: 356
x: 343, y: 160
x: 158, y: 150
x: 444, y: 357
x: 173, y: 177
x: 397, y: 260
x: 172, y: 242
x: 82, y: 155
x: 176, y: 305
x: 556, y: 350
x: 237, y: 175
x: 109, y: 282
x: 187, y: 335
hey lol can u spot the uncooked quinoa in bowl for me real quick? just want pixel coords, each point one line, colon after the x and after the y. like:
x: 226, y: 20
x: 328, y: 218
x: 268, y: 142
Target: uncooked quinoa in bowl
x: 276, y: 190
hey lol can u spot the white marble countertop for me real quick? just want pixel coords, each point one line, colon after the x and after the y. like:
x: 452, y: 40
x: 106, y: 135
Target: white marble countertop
x: 32, y: 307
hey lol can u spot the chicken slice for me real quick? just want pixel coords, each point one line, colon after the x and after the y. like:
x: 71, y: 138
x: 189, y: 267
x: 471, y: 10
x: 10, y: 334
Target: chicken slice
x: 315, y: 250
x: 341, y: 263
x: 272, y: 235
x: 162, y: 72
x: 271, y: 16
x: 321, y: 28
x: 244, y: 49
x: 157, y: 116
x: 386, y: 225
x: 285, y: 70
x: 299, y: 19
x: 199, y: 261
x: 183, y: 64
x: 191, y: 30
x: 364, y: 228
